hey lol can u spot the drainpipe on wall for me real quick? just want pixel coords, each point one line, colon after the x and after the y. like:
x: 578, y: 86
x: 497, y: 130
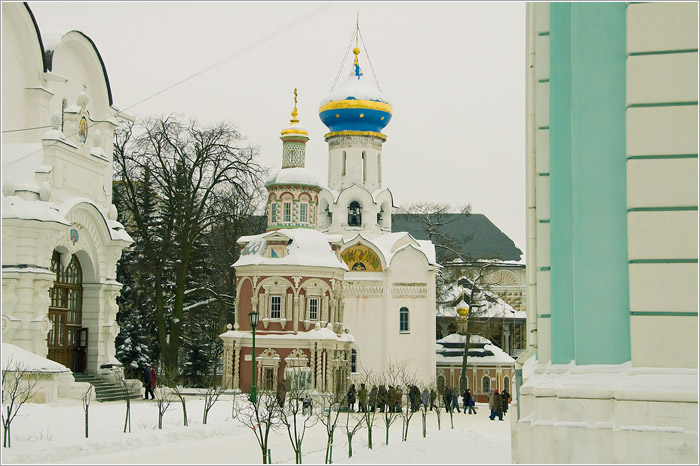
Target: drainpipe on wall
x: 531, y: 199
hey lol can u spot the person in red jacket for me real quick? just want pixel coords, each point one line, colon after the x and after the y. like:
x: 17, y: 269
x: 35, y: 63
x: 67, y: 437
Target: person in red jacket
x: 153, y: 379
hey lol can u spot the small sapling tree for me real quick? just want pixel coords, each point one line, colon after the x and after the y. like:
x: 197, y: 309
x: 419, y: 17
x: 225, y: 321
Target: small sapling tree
x: 164, y: 394
x: 298, y: 413
x: 87, y: 397
x: 18, y: 387
x: 126, y: 396
x: 211, y: 395
x: 262, y: 417
x: 329, y: 410
x: 353, y: 423
x: 180, y: 395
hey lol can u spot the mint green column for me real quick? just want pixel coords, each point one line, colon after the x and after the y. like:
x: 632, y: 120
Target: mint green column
x: 600, y: 265
x: 560, y: 165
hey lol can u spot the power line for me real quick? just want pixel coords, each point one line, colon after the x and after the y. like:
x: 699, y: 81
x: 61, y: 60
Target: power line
x: 224, y: 60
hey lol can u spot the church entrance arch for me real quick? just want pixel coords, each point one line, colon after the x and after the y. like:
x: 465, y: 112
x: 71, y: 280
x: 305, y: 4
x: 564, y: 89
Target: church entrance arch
x: 67, y: 340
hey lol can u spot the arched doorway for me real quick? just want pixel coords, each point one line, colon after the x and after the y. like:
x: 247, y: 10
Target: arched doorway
x: 67, y: 340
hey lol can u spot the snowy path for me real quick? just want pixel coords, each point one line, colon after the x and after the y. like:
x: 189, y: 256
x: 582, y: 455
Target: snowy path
x: 54, y: 434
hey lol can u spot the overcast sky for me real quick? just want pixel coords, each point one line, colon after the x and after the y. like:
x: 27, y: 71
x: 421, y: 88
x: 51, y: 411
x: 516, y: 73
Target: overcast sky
x: 454, y: 73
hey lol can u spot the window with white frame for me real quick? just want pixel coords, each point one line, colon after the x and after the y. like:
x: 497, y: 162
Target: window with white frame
x: 275, y: 307
x: 313, y: 308
x: 403, y: 320
x: 304, y: 212
x: 287, y: 212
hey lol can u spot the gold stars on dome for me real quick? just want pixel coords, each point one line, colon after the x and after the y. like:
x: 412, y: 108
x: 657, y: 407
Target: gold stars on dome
x: 294, y: 119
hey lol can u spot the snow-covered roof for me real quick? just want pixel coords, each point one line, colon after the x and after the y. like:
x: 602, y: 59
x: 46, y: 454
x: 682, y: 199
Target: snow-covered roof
x: 294, y: 175
x: 495, y: 306
x: 322, y: 333
x: 307, y: 247
x: 489, y: 354
x: 19, y: 161
x: 388, y: 245
x: 14, y: 357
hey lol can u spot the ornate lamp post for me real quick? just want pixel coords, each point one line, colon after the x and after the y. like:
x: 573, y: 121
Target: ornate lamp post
x: 253, y: 320
x: 463, y: 329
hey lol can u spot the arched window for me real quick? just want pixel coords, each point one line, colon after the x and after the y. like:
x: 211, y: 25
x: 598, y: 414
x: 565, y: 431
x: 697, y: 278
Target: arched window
x: 345, y: 162
x: 485, y: 384
x: 65, y: 314
x: 353, y: 360
x: 506, y: 383
x: 441, y: 383
x: 404, y: 320
x: 354, y: 214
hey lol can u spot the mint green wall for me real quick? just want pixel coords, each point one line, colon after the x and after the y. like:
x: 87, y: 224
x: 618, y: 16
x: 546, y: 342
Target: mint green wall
x: 561, y: 218
x: 589, y: 267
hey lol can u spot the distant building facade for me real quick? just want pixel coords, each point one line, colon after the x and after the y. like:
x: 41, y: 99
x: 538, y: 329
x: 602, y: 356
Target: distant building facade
x: 337, y: 292
x: 611, y: 372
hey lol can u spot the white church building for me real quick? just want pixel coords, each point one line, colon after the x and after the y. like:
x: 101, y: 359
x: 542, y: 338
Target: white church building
x: 337, y: 293
x: 60, y: 236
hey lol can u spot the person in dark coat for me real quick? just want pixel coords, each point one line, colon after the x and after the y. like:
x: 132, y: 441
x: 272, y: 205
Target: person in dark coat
x: 281, y: 392
x: 147, y: 380
x: 382, y: 398
x: 470, y: 402
x: 505, y: 396
x: 362, y: 398
x: 465, y: 401
x: 414, y: 398
x: 447, y: 398
x: 454, y: 396
x: 351, y: 397
x: 425, y: 398
x: 496, y: 405
x: 373, y: 398
x: 391, y: 398
x: 398, y: 400
x: 433, y: 399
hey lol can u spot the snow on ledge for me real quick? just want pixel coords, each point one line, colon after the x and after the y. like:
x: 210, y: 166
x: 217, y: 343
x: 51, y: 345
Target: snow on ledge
x: 14, y: 357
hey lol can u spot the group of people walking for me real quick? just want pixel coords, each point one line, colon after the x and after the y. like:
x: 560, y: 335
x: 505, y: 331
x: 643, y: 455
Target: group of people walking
x: 379, y: 398
x: 498, y: 404
x: 149, y: 381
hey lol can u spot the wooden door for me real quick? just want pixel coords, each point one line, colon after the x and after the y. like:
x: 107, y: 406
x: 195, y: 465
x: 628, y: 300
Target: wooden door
x: 59, y: 349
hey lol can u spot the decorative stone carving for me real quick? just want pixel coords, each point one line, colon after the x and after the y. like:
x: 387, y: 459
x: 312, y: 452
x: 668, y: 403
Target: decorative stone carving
x: 45, y: 191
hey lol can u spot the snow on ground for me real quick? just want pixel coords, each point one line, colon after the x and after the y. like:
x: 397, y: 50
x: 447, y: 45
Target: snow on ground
x: 54, y: 434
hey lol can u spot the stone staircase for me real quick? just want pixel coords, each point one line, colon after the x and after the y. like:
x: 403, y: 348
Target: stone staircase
x: 105, y: 390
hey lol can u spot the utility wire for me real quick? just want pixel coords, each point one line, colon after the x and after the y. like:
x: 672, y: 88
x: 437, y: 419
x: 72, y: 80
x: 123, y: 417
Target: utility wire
x: 345, y: 56
x: 234, y: 55
x: 370, y: 61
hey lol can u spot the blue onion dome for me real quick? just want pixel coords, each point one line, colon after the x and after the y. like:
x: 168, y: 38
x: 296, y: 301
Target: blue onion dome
x: 356, y: 105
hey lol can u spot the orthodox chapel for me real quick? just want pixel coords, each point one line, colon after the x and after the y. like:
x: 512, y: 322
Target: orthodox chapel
x: 336, y: 292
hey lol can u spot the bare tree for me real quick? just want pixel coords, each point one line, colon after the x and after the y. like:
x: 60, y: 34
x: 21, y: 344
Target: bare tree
x: 187, y: 167
x: 126, y: 396
x: 370, y: 380
x: 211, y: 395
x: 411, y: 396
x: 18, y: 387
x: 391, y: 377
x: 261, y: 417
x: 353, y: 423
x: 164, y: 394
x: 179, y: 394
x: 87, y: 397
x: 329, y: 410
x: 297, y: 414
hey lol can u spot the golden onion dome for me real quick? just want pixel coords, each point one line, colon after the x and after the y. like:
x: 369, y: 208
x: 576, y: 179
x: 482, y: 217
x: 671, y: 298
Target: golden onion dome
x: 462, y: 308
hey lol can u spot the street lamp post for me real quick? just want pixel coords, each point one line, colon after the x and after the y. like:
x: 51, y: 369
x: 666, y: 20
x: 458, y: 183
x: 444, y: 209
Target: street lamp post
x: 463, y: 328
x: 253, y: 320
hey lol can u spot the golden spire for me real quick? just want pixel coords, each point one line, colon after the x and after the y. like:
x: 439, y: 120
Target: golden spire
x: 294, y: 112
x: 356, y: 50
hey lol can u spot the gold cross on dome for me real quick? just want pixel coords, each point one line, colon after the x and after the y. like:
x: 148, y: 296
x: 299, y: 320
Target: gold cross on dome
x: 84, y: 86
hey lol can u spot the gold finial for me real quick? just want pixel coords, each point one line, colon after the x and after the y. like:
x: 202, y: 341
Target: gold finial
x: 84, y: 86
x: 294, y: 112
x: 356, y: 50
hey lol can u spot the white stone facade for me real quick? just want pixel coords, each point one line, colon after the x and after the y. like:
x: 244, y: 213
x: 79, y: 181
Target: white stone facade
x: 56, y: 185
